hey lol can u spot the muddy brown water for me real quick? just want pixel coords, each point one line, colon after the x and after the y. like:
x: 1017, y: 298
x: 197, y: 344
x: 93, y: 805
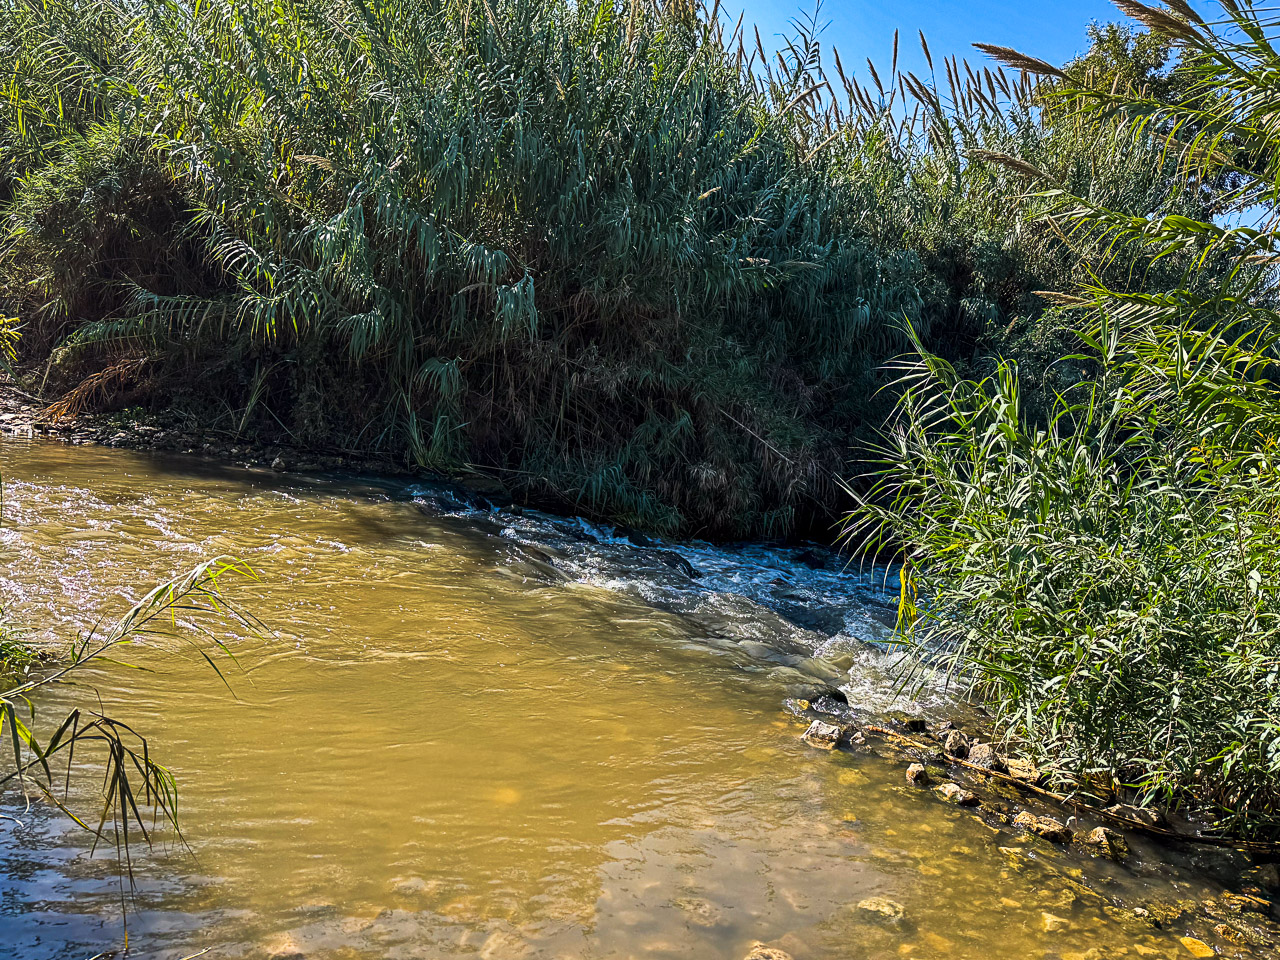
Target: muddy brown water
x: 478, y: 734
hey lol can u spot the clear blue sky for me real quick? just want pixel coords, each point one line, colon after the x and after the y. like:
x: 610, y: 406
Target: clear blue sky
x: 1053, y: 31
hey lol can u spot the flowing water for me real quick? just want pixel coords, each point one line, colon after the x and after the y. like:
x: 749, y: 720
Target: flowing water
x: 478, y: 732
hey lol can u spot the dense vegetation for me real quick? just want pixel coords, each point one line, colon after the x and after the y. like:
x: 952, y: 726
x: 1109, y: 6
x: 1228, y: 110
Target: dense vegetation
x: 612, y: 253
x: 1106, y: 574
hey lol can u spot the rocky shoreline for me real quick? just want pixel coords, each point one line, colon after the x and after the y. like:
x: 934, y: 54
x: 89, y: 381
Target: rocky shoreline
x: 1005, y: 794
x: 22, y: 415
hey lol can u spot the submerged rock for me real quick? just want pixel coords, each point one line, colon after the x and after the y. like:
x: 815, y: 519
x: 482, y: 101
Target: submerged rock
x: 997, y: 809
x: 956, y: 745
x: 1240, y: 936
x: 284, y: 947
x: 883, y: 907
x: 1045, y: 827
x: 1197, y: 948
x: 1167, y: 913
x: 503, y: 945
x: 1051, y: 923
x: 1107, y: 843
x: 701, y: 912
x: 917, y: 776
x: 1265, y: 875
x: 824, y: 736
x: 954, y: 793
x: 1242, y: 903
x: 760, y: 951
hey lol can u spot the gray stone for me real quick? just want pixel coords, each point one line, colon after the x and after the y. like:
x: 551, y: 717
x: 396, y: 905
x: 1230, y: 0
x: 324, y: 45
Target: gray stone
x: 917, y: 776
x: 984, y: 755
x: 278, y: 465
x: 824, y: 736
x: 956, y: 745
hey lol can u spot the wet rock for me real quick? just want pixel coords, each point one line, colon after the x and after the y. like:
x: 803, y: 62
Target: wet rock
x: 917, y: 776
x: 760, y: 951
x: 1023, y: 770
x: 997, y: 809
x: 1265, y: 875
x: 824, y: 736
x: 984, y: 755
x: 954, y: 793
x: 883, y: 907
x: 1051, y: 923
x: 1245, y: 903
x: 1197, y: 948
x: 908, y: 722
x: 830, y: 706
x: 812, y: 559
x: 1045, y: 827
x: 1147, y: 816
x: 670, y: 558
x: 1238, y: 936
x: 279, y: 465
x: 1103, y: 842
x: 1166, y: 914
x: 956, y: 745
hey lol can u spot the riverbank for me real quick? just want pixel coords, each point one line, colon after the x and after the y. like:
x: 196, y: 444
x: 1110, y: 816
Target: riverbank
x: 25, y: 415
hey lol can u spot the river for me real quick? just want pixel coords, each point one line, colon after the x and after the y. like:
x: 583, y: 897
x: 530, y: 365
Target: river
x: 487, y: 733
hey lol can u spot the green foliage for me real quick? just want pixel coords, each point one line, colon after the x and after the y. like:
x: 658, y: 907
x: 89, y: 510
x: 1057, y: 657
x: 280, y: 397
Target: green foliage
x: 1106, y: 577
x: 16, y: 657
x: 1106, y: 582
x: 596, y: 248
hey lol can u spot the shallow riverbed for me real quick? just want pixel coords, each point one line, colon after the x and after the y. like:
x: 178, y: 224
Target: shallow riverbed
x: 476, y: 732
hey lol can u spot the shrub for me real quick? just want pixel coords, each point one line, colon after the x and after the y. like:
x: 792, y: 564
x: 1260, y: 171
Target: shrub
x: 1106, y: 576
x: 599, y: 249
